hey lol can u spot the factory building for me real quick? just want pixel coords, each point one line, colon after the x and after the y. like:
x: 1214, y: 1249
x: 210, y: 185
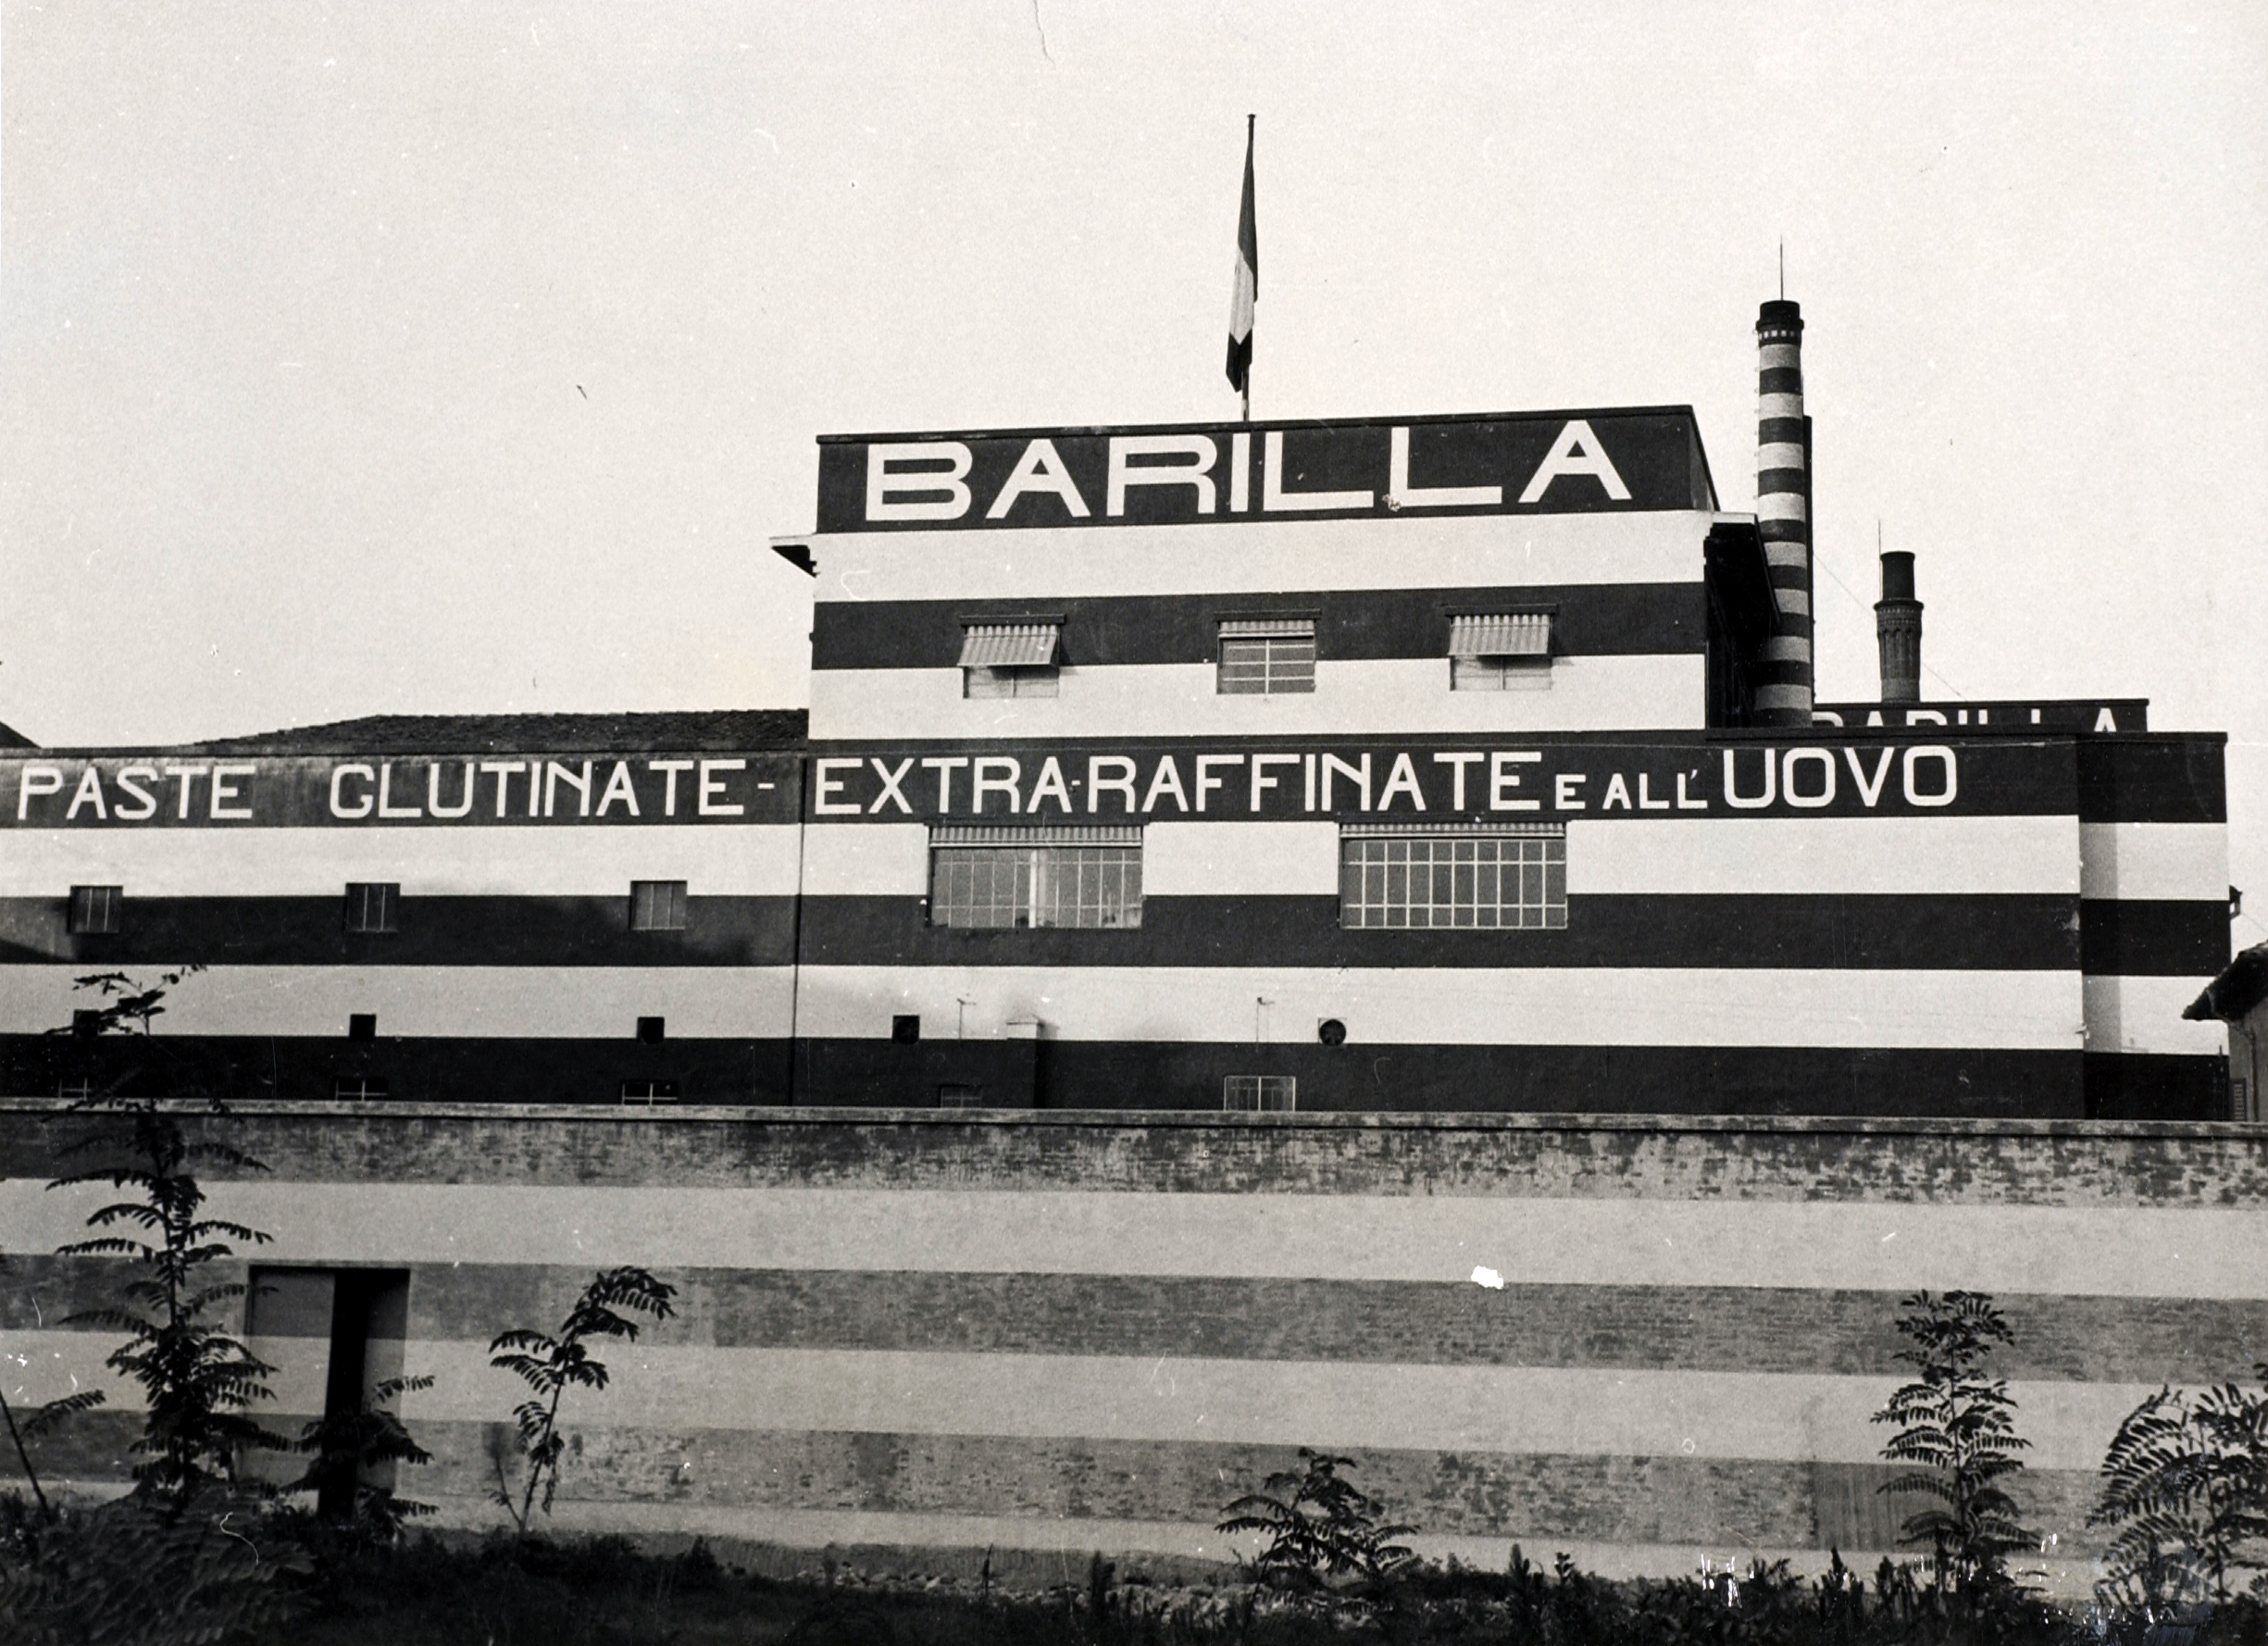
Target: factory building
x: 1441, y: 762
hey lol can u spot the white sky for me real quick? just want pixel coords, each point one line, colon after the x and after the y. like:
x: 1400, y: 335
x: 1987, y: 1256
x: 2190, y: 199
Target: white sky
x: 389, y: 357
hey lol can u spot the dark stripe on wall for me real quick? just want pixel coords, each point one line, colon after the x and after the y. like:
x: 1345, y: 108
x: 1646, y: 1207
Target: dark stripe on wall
x: 1710, y: 1502
x: 2157, y: 778
x: 494, y: 1068
x: 1982, y: 934
x: 500, y: 931
x: 2156, y: 1086
x: 1722, y: 1328
x: 2016, y: 1162
x: 1591, y: 620
x: 1700, y: 1328
x: 1509, y: 1078
x: 2131, y: 936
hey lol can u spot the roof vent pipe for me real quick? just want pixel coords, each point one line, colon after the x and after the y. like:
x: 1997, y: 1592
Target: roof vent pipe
x: 1784, y: 512
x: 1897, y: 629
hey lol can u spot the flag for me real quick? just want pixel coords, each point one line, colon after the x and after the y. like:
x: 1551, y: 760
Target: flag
x: 1248, y: 280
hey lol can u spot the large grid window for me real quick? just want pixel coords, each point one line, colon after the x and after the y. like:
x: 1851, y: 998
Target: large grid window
x: 1260, y: 1093
x: 370, y: 904
x: 1494, y: 879
x: 1266, y: 656
x: 657, y: 905
x: 95, y: 909
x: 993, y: 878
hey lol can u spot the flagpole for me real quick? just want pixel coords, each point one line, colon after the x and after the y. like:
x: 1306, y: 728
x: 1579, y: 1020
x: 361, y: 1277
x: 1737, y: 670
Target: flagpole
x: 1246, y: 289
x: 1251, y: 122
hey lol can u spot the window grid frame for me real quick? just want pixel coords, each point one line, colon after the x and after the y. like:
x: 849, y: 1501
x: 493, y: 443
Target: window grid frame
x: 1044, y: 886
x: 1516, y: 673
x: 1266, y: 666
x: 95, y: 910
x: 366, y: 1087
x: 1453, y: 882
x: 992, y: 682
x: 658, y: 905
x: 1260, y: 1094
x: 361, y: 917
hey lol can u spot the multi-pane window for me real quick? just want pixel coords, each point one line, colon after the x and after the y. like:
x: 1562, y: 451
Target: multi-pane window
x: 360, y: 1088
x: 1476, y: 876
x: 1010, y: 659
x: 1266, y: 656
x: 370, y: 904
x: 1500, y: 652
x: 1260, y: 1093
x: 994, y: 878
x: 95, y: 909
x: 657, y: 905
x: 955, y: 1096
x: 649, y: 1092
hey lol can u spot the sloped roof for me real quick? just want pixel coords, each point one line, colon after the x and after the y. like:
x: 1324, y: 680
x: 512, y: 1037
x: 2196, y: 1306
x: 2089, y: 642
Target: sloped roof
x: 12, y: 739
x: 2242, y: 985
x: 724, y: 729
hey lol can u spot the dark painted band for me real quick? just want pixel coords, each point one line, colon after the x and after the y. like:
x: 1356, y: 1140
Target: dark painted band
x: 2154, y: 778
x: 1589, y: 619
x: 1997, y: 932
x: 499, y: 931
x: 2145, y: 939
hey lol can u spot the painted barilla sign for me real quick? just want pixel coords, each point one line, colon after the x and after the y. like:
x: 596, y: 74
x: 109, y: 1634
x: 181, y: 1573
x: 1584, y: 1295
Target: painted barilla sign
x: 1546, y: 463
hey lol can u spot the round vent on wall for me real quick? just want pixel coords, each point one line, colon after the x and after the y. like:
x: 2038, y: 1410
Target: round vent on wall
x: 1331, y: 1032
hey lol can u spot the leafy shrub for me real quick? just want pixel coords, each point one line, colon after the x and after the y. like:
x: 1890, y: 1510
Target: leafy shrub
x: 145, y: 1571
x: 1959, y: 1427
x: 550, y: 1366
x: 344, y: 1450
x: 1325, y: 1528
x: 2186, y: 1485
x: 198, y: 1381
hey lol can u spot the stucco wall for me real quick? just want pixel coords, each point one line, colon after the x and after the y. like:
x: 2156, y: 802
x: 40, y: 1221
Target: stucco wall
x: 1041, y: 1330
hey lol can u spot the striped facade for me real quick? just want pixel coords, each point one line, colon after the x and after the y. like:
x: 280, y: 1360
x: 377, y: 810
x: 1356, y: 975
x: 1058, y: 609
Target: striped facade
x: 1389, y: 766
x: 1643, y: 1343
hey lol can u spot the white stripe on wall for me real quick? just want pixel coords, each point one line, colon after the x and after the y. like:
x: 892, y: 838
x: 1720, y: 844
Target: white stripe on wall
x: 597, y: 1002
x: 1452, y: 1005
x: 1751, y: 856
x: 579, y: 860
x: 1263, y: 556
x: 2183, y: 861
x: 2007, y: 1249
x: 868, y: 859
x: 2144, y: 1014
x: 1519, y: 1410
x: 1353, y: 698
x: 1261, y: 860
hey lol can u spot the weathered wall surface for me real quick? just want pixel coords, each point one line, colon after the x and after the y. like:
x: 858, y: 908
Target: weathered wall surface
x: 1091, y: 1330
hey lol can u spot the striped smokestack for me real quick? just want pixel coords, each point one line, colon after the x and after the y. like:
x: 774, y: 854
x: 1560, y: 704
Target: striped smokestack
x: 1784, y: 512
x: 1897, y: 629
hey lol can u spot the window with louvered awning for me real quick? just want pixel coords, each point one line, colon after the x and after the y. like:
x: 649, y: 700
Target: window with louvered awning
x: 1010, y: 659
x: 1500, y: 652
x: 1501, y: 634
x: 1266, y: 656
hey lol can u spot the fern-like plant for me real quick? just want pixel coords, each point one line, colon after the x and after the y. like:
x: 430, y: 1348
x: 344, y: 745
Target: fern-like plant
x: 2186, y: 1485
x: 345, y: 1450
x: 550, y: 1365
x: 1319, y: 1525
x: 198, y: 1382
x: 1957, y: 1427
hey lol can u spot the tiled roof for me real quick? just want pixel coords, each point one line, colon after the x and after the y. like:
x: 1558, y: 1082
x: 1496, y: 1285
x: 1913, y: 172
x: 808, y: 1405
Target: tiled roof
x: 724, y: 729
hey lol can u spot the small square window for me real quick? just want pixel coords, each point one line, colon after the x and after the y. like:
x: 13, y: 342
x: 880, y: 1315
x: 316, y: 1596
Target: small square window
x: 649, y: 1092
x: 1011, y: 682
x: 94, y: 910
x: 359, y: 1087
x: 953, y: 1096
x: 362, y: 1026
x: 650, y: 1031
x: 657, y: 905
x: 905, y: 1028
x: 370, y: 904
x: 1260, y: 1093
x: 1266, y: 656
x: 1500, y: 652
x: 86, y: 1022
